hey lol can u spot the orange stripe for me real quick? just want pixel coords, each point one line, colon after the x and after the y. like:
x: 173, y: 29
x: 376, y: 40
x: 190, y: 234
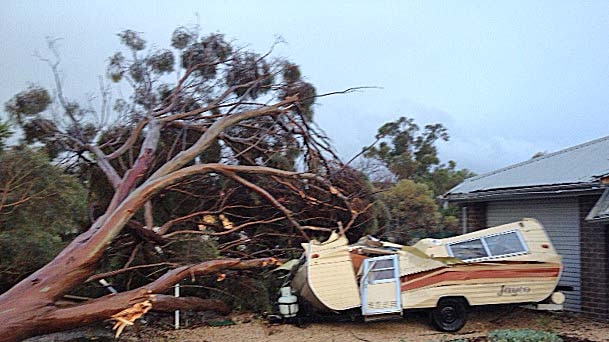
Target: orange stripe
x: 410, y: 283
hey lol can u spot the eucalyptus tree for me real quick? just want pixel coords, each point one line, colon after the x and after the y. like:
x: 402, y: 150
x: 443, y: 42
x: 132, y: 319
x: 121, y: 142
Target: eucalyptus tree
x: 203, y: 114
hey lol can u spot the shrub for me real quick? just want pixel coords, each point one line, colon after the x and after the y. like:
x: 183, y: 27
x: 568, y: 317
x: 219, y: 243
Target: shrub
x: 524, y: 335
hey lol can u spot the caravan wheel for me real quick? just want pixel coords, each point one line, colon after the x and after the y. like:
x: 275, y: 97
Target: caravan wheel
x: 450, y: 314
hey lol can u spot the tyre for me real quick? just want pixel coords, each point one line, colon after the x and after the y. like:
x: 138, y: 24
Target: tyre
x: 450, y: 314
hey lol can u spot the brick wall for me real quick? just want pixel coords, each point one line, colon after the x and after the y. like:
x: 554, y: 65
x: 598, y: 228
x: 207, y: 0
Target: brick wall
x: 594, y: 262
x: 476, y: 216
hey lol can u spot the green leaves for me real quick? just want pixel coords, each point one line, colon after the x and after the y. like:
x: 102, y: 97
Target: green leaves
x: 115, y: 67
x: 182, y: 37
x: 252, y: 69
x: 523, y: 335
x: 42, y: 207
x: 411, y: 156
x: 413, y: 209
x: 411, y: 153
x: 291, y: 72
x: 206, y: 55
x: 5, y: 133
x: 406, y: 151
x: 29, y: 102
x: 132, y: 40
x: 161, y: 61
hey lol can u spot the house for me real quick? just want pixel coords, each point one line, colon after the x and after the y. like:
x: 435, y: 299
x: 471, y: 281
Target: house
x: 568, y: 192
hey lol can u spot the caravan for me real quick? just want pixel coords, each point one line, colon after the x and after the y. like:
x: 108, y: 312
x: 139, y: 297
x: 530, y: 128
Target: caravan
x: 512, y: 263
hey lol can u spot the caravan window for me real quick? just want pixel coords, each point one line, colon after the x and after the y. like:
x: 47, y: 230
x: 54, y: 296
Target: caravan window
x: 496, y: 245
x: 382, y: 269
x: 472, y: 249
x: 502, y: 244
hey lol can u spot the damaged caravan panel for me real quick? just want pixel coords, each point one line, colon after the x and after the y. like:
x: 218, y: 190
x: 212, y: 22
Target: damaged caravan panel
x: 512, y: 263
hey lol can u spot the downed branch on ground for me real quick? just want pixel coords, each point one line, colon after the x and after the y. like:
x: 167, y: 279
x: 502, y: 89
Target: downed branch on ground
x: 129, y: 315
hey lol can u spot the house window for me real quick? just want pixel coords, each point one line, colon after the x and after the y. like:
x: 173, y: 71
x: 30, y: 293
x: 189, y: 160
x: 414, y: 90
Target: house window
x: 490, y: 246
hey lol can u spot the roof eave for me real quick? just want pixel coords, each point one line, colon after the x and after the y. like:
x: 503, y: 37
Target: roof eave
x: 561, y: 190
x: 600, y: 219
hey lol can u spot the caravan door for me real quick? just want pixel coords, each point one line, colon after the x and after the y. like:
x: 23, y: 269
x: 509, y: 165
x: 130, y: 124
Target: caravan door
x: 380, y: 286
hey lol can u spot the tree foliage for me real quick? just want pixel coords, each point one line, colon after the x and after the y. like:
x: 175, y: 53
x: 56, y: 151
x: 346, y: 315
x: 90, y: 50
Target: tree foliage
x: 40, y: 209
x: 409, y: 155
x: 211, y: 164
x: 414, y: 211
x: 445, y: 177
x: 410, y: 152
x: 28, y: 103
x: 5, y: 133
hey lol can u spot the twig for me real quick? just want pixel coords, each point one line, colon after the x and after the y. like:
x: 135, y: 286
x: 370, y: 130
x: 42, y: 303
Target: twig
x: 359, y: 338
x: 123, y: 270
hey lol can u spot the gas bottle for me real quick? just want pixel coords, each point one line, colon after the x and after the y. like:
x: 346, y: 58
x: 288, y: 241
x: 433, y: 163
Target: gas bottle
x: 288, y: 303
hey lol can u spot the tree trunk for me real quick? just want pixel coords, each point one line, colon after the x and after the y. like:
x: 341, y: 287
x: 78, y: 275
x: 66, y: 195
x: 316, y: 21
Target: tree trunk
x: 31, y: 312
x: 30, y: 307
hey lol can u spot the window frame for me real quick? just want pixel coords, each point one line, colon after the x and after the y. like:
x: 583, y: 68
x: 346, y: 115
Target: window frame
x: 490, y: 256
x: 371, y: 270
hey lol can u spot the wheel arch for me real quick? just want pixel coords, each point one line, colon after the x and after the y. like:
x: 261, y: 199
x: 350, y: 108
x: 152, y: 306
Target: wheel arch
x: 457, y: 297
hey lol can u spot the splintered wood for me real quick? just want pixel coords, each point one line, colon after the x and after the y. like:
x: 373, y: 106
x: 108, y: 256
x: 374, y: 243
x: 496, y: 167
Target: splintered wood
x: 272, y: 262
x: 129, y: 315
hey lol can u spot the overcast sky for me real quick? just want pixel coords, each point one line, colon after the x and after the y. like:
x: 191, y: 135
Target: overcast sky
x: 508, y: 79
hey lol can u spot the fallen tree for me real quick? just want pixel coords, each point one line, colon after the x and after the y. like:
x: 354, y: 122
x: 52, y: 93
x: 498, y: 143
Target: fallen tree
x: 251, y: 112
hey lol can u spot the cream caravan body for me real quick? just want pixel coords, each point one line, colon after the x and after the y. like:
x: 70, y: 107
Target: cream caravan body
x: 512, y: 263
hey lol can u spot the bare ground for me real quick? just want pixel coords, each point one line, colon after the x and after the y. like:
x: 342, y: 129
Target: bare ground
x: 413, y: 328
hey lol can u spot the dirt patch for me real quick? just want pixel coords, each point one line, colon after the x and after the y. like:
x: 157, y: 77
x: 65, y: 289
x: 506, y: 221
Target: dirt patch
x: 413, y: 327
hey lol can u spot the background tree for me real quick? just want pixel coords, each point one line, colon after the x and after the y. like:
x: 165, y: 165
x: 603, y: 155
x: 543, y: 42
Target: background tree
x: 407, y: 152
x: 445, y: 177
x: 231, y: 124
x: 414, y: 211
x: 41, y: 208
x: 411, y: 153
x: 5, y: 133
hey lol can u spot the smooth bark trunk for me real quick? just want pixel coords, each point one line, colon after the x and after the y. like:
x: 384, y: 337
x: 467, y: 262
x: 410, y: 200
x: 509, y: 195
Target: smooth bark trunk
x: 31, y: 312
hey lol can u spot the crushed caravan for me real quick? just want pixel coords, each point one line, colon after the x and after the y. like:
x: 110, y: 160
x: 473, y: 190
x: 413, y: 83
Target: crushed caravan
x: 512, y: 263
